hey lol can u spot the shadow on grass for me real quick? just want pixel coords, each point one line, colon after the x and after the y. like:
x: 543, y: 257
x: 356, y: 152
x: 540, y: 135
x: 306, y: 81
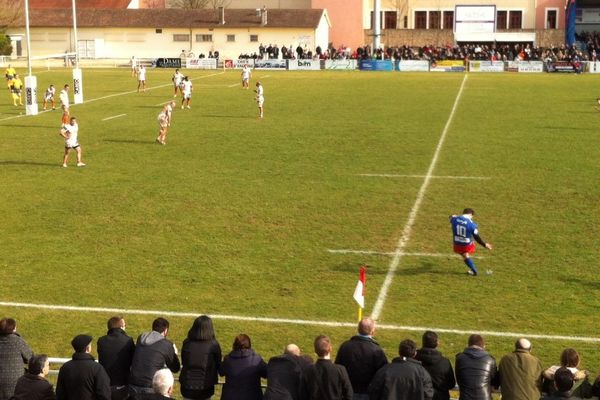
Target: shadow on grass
x: 424, y: 266
x: 129, y: 141
x: 55, y: 126
x: 24, y: 162
x: 594, y: 285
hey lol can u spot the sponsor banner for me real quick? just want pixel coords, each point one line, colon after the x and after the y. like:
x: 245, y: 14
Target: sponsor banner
x: 412, y: 65
x: 31, y: 106
x: 375, y: 65
x: 239, y: 64
x: 486, y: 66
x: 77, y: 86
x: 593, y: 67
x: 304, y: 65
x: 341, y: 64
x: 168, y: 63
x: 525, y: 66
x: 270, y: 64
x: 201, y: 63
x: 561, y: 66
x: 448, y: 66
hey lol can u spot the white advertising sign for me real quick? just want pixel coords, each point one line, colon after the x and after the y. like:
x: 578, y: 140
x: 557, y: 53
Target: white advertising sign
x: 201, y: 63
x: 304, y: 65
x: 341, y: 64
x: 413, y: 65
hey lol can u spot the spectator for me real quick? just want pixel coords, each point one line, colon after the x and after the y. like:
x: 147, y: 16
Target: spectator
x: 570, y: 359
x: 403, y: 379
x: 14, y: 353
x: 152, y: 352
x: 438, y: 366
x: 115, y: 352
x: 520, y: 373
x: 284, y: 374
x: 362, y: 357
x: 563, y: 381
x: 242, y: 369
x: 162, y: 386
x: 82, y: 378
x: 33, y: 385
x: 201, y: 359
x: 325, y: 380
x: 476, y: 371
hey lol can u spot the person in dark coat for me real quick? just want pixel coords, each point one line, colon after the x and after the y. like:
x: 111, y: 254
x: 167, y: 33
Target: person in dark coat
x: 152, y: 352
x: 325, y: 380
x: 33, y: 385
x: 162, y: 386
x: 284, y: 374
x: 115, y: 352
x: 476, y: 371
x: 242, y: 369
x: 403, y: 379
x: 82, y: 378
x: 563, y: 383
x: 201, y: 359
x: 14, y: 354
x: 363, y: 357
x: 438, y: 366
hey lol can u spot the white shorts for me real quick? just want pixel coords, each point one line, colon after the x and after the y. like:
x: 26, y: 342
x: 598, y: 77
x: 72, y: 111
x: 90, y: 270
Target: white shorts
x: 260, y: 100
x: 49, y: 98
x: 187, y: 96
x: 71, y: 145
x: 162, y: 121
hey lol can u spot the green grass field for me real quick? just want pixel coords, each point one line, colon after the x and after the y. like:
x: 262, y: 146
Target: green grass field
x: 235, y: 215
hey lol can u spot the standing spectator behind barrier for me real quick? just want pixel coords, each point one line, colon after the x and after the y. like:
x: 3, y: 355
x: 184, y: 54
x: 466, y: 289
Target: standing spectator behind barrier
x: 242, y: 369
x: 476, y: 371
x: 438, y: 366
x: 162, y: 386
x: 14, y: 353
x: 285, y: 373
x: 325, y: 380
x: 562, y: 383
x: 33, y: 385
x: 520, y: 373
x: 201, y: 359
x: 581, y: 385
x: 115, y: 352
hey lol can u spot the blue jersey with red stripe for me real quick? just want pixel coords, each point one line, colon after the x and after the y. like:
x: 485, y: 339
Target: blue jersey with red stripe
x: 463, y: 229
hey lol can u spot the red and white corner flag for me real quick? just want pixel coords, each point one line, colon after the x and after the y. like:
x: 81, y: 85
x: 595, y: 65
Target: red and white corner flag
x: 359, y: 292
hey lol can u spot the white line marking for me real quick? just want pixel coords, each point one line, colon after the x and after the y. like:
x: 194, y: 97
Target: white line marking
x: 413, y: 213
x: 392, y: 253
x: 117, y: 94
x: 266, y: 76
x: 234, y: 85
x: 333, y: 324
x: 423, y: 176
x: 113, y: 117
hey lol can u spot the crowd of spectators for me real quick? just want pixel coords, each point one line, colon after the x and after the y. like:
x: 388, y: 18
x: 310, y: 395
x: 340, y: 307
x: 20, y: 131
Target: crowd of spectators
x: 360, y: 370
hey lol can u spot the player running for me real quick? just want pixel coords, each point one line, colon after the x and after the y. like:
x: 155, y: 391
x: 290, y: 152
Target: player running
x: 70, y: 132
x: 64, y: 104
x: 49, y: 97
x: 177, y: 80
x: 246, y: 74
x: 186, y: 90
x: 16, y: 87
x: 164, y: 121
x: 464, y: 230
x: 260, y: 99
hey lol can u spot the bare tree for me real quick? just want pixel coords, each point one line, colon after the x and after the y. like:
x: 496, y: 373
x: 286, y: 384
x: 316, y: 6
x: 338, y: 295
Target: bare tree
x: 189, y: 4
x: 11, y: 12
x: 401, y: 7
x: 219, y: 3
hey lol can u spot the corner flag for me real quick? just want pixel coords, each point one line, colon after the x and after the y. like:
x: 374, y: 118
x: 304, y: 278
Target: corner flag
x: 359, y: 292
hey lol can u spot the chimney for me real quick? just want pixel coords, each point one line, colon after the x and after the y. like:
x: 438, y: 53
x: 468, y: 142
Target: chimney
x: 222, y: 15
x: 263, y: 15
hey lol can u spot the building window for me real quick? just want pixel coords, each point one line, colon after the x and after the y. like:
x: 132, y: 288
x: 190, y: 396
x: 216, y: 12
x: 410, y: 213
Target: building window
x: 515, y: 20
x: 380, y: 20
x: 390, y: 19
x: 434, y: 20
x: 204, y: 38
x: 181, y: 38
x: 420, y: 19
x: 551, y: 19
x: 158, y: 30
x: 231, y: 38
x: 501, y: 20
x: 254, y: 38
x: 405, y: 22
x: 448, y: 20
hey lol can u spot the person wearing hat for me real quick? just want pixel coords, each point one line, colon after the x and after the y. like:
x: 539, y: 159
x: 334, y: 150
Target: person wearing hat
x: 82, y: 378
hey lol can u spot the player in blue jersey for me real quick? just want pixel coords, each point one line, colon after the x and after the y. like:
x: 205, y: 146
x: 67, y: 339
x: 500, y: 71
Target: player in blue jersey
x: 464, y: 230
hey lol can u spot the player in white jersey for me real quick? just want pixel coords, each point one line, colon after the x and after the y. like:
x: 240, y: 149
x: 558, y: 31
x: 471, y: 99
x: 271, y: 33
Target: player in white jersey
x: 186, y: 89
x: 246, y: 74
x: 260, y: 99
x: 134, y: 66
x: 70, y: 132
x: 49, y: 97
x: 177, y: 79
x: 164, y: 121
x: 141, y: 78
x: 64, y: 103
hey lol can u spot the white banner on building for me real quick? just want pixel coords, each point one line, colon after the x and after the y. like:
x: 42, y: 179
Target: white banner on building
x: 486, y: 66
x: 413, y: 65
x: 593, y: 67
x: 270, y: 64
x: 304, y: 65
x: 201, y: 63
x: 341, y: 64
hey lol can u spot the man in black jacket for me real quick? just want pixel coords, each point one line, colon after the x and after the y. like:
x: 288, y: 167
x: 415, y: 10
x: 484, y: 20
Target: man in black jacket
x: 33, y: 385
x: 152, y: 352
x: 403, y: 379
x: 476, y: 371
x: 362, y: 357
x: 325, y: 380
x: 115, y: 352
x: 82, y: 378
x: 284, y: 374
x: 438, y: 366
